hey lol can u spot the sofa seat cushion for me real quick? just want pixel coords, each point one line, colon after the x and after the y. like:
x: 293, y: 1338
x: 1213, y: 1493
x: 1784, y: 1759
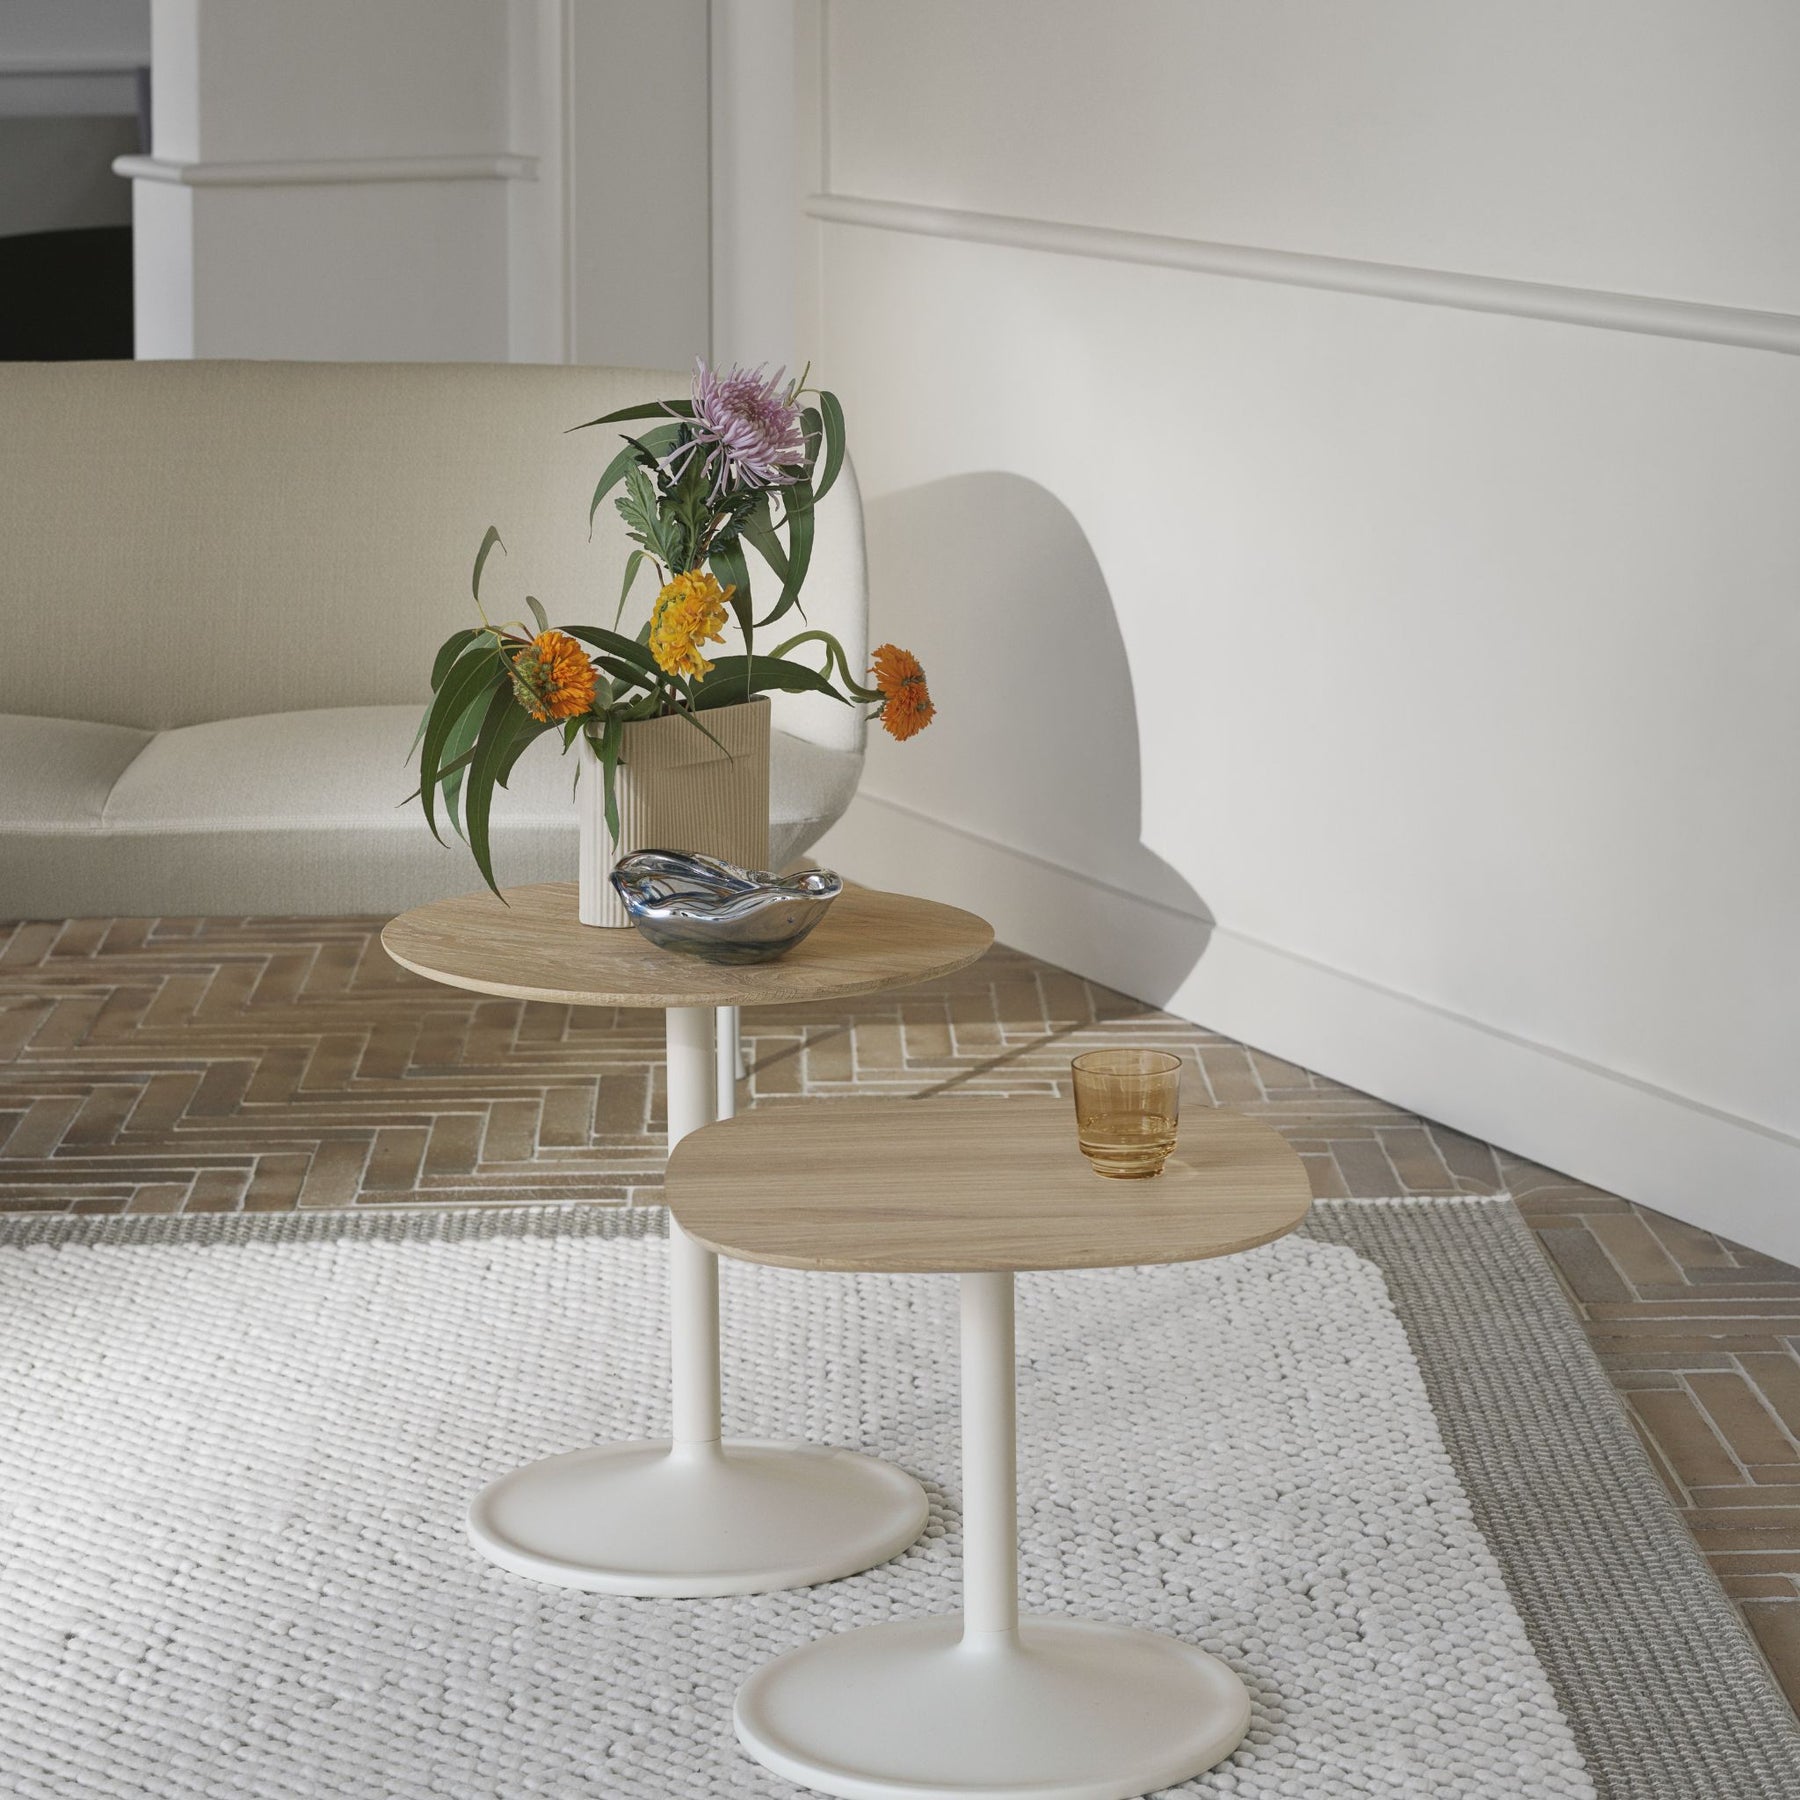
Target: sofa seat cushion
x: 57, y: 774
x: 300, y: 812
x: 343, y: 767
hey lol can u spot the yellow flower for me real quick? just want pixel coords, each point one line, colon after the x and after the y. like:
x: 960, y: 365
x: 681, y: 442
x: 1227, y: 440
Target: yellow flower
x: 552, y: 677
x: 906, y: 708
x: 689, y: 612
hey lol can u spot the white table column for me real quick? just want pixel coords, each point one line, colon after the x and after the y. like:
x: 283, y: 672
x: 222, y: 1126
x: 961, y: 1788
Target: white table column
x: 982, y: 1702
x: 696, y: 1514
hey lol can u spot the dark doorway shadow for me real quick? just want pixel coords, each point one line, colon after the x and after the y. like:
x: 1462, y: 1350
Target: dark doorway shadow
x: 1032, y: 764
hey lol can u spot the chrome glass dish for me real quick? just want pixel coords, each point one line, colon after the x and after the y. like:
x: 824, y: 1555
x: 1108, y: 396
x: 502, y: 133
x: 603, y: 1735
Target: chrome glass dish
x: 703, y: 907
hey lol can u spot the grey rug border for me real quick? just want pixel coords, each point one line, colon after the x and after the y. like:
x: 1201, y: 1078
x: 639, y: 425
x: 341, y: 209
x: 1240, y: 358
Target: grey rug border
x: 1666, y: 1692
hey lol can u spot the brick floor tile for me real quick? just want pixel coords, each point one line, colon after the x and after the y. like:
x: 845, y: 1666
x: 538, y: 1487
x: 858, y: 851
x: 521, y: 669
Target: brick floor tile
x: 1760, y: 1587
x: 1365, y: 1169
x: 1416, y: 1160
x: 159, y: 1197
x: 334, y: 1176
x: 275, y: 1182
x: 1696, y: 1452
x: 1777, y: 1628
x: 217, y: 1190
x: 1583, y: 1263
x: 1747, y: 1425
x: 1634, y: 1248
x: 1326, y: 1178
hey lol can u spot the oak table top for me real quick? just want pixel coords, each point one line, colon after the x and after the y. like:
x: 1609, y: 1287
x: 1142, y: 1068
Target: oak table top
x: 534, y: 947
x: 963, y: 1186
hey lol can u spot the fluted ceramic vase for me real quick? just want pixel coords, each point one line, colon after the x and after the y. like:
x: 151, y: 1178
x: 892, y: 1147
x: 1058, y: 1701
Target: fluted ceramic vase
x: 677, y: 790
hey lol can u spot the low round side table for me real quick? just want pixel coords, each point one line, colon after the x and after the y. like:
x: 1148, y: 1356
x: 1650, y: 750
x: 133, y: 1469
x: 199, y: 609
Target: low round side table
x: 698, y: 1514
x: 983, y: 1703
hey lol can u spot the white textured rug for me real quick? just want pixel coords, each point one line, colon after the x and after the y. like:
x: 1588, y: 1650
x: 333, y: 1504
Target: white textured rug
x: 232, y: 1478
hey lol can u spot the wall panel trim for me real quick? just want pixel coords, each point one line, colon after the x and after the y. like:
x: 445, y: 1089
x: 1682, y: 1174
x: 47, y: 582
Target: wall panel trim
x: 1741, y: 327
x: 327, y: 172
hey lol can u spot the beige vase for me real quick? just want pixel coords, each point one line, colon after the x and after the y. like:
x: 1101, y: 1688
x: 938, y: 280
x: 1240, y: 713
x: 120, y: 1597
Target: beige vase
x: 677, y: 790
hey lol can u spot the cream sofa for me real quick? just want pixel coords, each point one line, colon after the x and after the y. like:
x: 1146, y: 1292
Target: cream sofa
x: 224, y: 582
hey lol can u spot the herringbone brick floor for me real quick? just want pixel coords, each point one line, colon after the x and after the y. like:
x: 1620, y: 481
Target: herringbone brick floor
x: 212, y: 1065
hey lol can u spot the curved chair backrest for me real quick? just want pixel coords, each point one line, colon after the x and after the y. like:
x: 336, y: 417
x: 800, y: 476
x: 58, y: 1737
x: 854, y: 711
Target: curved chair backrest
x: 187, y: 541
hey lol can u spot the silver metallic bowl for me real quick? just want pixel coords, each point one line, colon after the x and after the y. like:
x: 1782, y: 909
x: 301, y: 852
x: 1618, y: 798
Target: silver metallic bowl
x: 703, y: 907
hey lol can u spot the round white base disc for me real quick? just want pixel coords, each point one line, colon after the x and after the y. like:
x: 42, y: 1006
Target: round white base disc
x: 737, y: 1518
x: 1076, y: 1711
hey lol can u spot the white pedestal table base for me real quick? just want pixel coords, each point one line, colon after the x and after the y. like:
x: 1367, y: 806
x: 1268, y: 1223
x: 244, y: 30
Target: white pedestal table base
x: 1069, y: 1711
x: 984, y: 1702
x: 695, y: 1516
x: 665, y: 1522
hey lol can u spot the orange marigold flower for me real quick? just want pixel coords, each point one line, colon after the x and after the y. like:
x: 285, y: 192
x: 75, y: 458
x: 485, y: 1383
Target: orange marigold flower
x: 906, y: 707
x: 689, y: 612
x: 552, y: 677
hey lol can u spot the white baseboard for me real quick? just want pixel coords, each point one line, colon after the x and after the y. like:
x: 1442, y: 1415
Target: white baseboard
x: 1714, y: 1169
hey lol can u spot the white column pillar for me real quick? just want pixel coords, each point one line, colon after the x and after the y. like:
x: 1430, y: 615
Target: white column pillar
x: 329, y: 180
x: 990, y: 1465
x: 693, y: 1270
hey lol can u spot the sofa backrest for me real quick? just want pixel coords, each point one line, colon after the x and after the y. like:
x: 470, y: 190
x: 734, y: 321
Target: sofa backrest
x: 185, y: 541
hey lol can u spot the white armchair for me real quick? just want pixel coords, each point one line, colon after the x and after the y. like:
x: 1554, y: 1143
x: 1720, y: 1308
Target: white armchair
x: 223, y: 582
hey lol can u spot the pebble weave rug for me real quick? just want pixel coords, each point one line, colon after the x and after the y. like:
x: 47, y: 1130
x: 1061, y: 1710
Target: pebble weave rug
x: 233, y: 1467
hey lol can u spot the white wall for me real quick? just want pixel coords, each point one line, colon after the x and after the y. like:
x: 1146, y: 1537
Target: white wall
x: 1460, y: 633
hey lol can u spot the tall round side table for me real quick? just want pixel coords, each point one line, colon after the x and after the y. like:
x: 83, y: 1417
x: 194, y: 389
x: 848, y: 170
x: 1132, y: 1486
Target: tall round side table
x: 698, y: 1514
x: 983, y: 1702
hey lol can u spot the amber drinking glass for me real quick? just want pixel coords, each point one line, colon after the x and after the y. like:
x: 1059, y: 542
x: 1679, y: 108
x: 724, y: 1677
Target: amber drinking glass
x: 1127, y: 1109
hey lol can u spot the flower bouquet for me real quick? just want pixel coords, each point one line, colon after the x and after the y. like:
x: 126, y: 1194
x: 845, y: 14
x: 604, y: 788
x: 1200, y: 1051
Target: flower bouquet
x: 735, y: 468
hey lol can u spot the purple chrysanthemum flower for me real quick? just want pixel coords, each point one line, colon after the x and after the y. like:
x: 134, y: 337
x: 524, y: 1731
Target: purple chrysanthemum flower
x: 749, y: 421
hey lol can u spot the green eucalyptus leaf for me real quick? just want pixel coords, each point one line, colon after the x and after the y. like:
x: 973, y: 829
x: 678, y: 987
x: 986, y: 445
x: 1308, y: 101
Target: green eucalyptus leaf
x: 481, y: 556
x: 610, y: 477
x: 732, y: 570
x: 611, y: 741
x: 732, y: 679
x: 760, y: 535
x: 799, y: 522
x: 537, y: 612
x: 458, y: 754
x: 474, y: 674
x: 500, y: 725
x: 649, y: 409
x: 452, y: 647
x: 633, y: 563
x: 831, y: 414
x: 627, y: 650
x: 522, y: 741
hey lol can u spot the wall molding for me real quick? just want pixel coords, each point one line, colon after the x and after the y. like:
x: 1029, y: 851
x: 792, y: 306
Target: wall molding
x: 1716, y: 1169
x: 32, y: 66
x: 1741, y: 327
x: 331, y: 173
